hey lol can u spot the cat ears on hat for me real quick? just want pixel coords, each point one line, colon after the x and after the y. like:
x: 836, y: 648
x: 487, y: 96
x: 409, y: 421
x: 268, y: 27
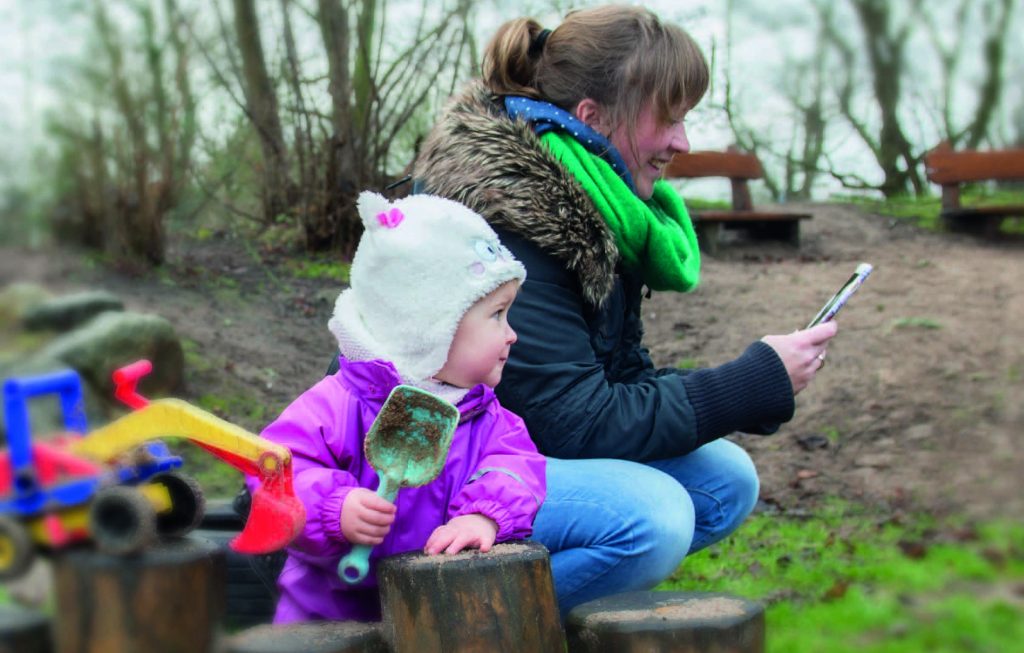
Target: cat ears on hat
x: 376, y: 212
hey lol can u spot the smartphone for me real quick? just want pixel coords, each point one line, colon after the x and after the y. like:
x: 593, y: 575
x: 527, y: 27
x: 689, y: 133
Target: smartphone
x: 832, y: 306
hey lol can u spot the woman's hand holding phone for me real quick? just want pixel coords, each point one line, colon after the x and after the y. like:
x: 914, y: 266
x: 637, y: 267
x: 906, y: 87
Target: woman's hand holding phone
x: 803, y: 352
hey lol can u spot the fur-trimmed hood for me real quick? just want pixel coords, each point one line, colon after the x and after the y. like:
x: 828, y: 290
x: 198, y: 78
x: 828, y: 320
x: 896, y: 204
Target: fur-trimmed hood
x: 497, y: 167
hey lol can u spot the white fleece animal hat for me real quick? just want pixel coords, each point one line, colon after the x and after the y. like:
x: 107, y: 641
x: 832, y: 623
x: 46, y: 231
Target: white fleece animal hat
x: 422, y: 262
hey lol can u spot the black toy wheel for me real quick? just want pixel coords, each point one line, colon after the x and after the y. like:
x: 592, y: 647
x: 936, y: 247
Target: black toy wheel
x: 187, y: 504
x: 122, y: 520
x: 251, y: 594
x: 16, y: 550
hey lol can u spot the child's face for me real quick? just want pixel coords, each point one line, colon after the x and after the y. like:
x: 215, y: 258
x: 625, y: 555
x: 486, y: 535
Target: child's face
x: 482, y: 341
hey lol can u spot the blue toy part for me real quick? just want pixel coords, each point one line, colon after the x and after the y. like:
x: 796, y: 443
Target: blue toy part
x: 160, y: 460
x: 17, y: 391
x: 30, y: 504
x: 29, y: 498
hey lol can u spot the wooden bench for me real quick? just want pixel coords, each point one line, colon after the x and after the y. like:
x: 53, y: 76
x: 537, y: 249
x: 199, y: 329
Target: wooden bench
x: 739, y: 167
x: 950, y: 169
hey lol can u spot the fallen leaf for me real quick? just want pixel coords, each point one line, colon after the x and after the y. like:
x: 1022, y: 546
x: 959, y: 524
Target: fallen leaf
x: 837, y: 591
x: 913, y: 550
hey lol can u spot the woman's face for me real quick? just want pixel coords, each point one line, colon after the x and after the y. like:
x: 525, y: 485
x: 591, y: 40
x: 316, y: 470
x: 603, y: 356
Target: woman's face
x: 655, y: 144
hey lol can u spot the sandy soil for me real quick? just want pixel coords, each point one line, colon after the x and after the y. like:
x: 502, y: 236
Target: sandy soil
x: 918, y: 407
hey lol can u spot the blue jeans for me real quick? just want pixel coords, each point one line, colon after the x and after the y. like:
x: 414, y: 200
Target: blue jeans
x: 615, y: 526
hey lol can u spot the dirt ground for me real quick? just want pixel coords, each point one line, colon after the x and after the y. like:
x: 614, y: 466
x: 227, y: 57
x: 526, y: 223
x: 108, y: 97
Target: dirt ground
x: 919, y: 406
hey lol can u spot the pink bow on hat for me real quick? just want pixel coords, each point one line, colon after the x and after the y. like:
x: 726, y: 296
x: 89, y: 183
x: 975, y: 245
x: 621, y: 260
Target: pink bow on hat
x: 391, y: 219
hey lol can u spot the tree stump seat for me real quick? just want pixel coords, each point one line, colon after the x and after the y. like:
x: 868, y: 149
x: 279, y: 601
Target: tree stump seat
x: 502, y: 601
x: 167, y: 599
x: 24, y: 631
x: 663, y: 622
x: 319, y: 637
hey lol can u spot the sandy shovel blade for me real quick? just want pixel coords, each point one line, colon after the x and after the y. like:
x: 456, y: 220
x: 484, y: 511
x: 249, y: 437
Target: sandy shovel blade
x: 407, y: 446
x: 409, y: 441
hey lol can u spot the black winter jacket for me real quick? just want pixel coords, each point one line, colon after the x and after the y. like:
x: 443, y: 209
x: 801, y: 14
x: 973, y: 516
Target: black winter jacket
x: 579, y: 375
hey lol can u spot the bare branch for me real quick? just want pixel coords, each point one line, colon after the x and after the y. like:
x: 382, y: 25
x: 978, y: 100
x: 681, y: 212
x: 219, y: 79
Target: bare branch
x: 848, y: 56
x: 849, y: 180
x: 992, y: 85
x: 949, y: 59
x: 215, y: 69
x: 404, y: 59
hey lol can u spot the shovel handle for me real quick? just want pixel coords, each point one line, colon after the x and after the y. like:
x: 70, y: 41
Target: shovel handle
x: 353, y: 567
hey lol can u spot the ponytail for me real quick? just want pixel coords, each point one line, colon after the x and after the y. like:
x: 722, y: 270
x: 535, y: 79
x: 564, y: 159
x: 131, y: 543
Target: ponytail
x: 510, y: 59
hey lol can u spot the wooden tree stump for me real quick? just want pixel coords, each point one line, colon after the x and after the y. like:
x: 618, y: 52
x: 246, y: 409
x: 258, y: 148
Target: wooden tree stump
x: 24, y: 631
x: 326, y: 637
x: 499, y: 601
x: 655, y: 622
x: 168, y: 599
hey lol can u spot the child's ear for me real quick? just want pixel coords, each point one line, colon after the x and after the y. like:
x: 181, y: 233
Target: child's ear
x: 370, y: 205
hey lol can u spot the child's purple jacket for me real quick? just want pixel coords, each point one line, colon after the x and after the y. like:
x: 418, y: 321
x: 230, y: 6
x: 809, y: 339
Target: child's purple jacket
x: 493, y: 468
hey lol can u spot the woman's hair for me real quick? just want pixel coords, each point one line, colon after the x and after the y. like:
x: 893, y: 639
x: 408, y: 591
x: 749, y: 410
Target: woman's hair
x: 621, y: 57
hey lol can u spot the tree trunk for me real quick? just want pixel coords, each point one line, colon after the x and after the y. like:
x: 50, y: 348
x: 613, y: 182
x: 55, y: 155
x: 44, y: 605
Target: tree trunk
x: 142, y: 223
x: 992, y: 86
x: 885, y: 54
x: 261, y: 102
x: 814, y: 123
x: 184, y: 135
x: 337, y: 223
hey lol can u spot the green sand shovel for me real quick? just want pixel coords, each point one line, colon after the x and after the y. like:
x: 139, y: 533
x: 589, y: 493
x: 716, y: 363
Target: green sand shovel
x: 407, y: 445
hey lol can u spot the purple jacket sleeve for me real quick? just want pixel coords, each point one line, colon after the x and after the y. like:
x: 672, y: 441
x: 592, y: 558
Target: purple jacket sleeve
x: 320, y: 443
x: 509, y: 484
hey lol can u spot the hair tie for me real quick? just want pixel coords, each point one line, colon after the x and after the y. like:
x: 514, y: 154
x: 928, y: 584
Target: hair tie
x: 537, y: 45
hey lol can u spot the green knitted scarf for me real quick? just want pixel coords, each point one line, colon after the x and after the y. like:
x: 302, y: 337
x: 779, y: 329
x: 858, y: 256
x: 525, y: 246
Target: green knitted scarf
x: 655, y: 237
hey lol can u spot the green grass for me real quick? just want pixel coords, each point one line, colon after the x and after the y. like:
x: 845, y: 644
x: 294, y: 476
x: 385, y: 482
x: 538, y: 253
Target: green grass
x: 915, y: 323
x: 319, y: 269
x: 218, y: 479
x: 924, y: 211
x: 689, y: 364
x: 701, y: 204
x: 845, y: 581
x: 239, y: 408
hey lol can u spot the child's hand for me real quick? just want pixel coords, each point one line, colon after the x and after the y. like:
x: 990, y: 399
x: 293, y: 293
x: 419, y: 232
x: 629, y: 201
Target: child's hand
x: 366, y: 517
x: 461, y: 532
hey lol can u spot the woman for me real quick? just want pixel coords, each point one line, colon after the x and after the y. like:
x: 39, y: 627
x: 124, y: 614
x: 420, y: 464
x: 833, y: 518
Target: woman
x: 560, y: 147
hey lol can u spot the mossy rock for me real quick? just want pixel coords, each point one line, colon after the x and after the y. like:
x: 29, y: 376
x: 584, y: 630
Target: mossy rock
x: 18, y: 298
x: 70, y: 311
x: 114, y: 339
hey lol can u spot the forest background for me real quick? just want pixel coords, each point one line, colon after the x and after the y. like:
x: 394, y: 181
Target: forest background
x: 129, y: 117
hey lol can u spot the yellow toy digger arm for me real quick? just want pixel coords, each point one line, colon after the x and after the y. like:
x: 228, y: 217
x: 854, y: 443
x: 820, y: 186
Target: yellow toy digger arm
x: 176, y: 418
x: 276, y: 516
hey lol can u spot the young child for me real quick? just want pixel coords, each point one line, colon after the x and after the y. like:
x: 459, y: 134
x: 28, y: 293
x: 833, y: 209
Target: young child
x: 430, y: 290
